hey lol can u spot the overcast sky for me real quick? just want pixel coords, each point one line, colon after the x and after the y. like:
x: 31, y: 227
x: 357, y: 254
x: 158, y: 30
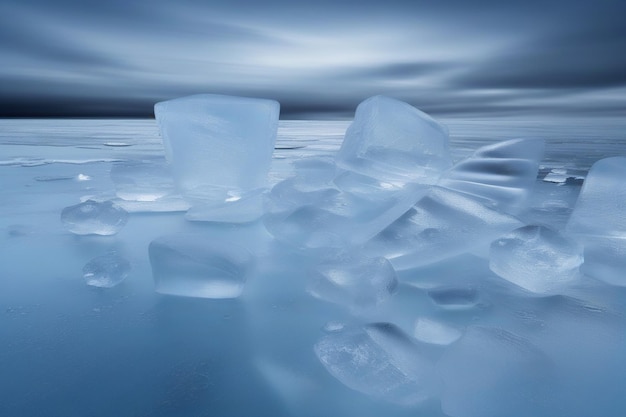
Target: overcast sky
x: 463, y: 58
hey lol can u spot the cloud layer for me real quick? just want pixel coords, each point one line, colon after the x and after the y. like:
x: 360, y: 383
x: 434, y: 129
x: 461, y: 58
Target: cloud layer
x: 319, y: 59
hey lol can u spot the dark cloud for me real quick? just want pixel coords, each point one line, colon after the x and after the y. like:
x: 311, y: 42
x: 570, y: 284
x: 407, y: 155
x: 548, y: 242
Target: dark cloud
x: 587, y: 53
x: 116, y: 58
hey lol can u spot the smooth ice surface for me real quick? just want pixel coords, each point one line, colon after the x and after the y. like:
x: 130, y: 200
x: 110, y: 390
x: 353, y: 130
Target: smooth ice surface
x: 94, y: 218
x: 501, y: 175
x: 390, y: 139
x: 599, y: 211
x: 442, y: 224
x: 357, y: 282
x: 218, y: 145
x: 106, y: 271
x: 198, y: 266
x: 536, y: 258
x: 491, y: 372
x: 130, y: 351
x: 379, y: 360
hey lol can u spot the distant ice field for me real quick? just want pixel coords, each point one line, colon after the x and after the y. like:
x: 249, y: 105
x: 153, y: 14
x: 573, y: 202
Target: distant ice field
x: 71, y: 349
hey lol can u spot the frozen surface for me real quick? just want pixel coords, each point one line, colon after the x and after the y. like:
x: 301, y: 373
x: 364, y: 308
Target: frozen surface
x: 491, y: 372
x: 131, y: 351
x: 220, y: 148
x: 536, y: 258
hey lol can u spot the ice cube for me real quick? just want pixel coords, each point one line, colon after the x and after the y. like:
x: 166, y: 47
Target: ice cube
x: 501, y: 175
x: 94, y: 218
x: 390, y: 139
x: 599, y: 210
x: 106, y: 271
x: 218, y: 146
x: 379, y: 360
x: 358, y: 282
x: 490, y: 372
x: 442, y: 224
x: 198, y: 266
x: 536, y: 258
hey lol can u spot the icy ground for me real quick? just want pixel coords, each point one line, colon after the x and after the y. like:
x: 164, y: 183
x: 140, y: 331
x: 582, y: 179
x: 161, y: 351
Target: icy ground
x: 470, y: 335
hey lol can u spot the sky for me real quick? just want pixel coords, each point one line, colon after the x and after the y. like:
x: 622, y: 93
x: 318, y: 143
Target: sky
x: 319, y: 59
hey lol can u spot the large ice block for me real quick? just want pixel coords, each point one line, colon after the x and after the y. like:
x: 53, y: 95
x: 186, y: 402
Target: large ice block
x: 599, y: 220
x: 219, y: 147
x: 392, y: 139
x: 599, y: 210
x: 501, y: 175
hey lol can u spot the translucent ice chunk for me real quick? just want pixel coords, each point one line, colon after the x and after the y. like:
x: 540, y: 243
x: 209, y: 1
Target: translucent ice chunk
x: 605, y: 259
x: 106, y: 271
x: 442, y: 224
x: 435, y: 332
x: 142, y: 181
x: 328, y: 217
x: 556, y: 175
x: 599, y: 210
x: 354, y: 281
x: 501, y: 175
x: 378, y: 360
x: 197, y: 266
x: 536, y: 258
x: 218, y: 145
x: 392, y: 139
x: 94, y: 218
x: 491, y: 372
